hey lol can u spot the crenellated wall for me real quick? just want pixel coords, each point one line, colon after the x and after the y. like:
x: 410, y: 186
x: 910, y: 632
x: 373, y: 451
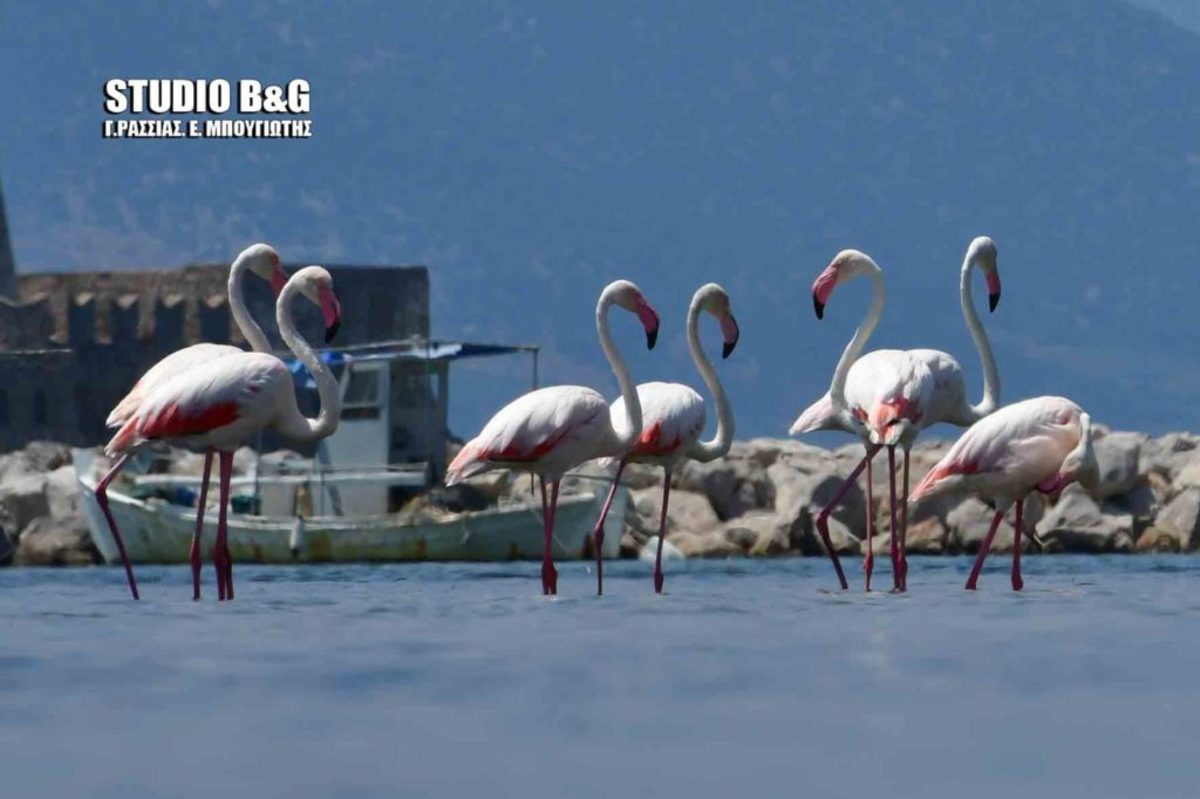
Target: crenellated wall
x: 109, y: 327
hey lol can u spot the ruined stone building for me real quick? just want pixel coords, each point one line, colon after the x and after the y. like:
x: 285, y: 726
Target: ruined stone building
x: 73, y: 343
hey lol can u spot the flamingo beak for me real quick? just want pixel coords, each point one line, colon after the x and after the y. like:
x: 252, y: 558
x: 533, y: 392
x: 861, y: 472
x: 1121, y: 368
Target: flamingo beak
x: 649, y: 319
x: 729, y: 329
x: 993, y: 283
x: 331, y: 310
x: 822, y: 287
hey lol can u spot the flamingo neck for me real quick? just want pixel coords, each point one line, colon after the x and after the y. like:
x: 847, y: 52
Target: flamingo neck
x: 237, y: 307
x: 624, y: 439
x: 294, y: 424
x: 837, y: 387
x: 719, y: 444
x: 991, y: 373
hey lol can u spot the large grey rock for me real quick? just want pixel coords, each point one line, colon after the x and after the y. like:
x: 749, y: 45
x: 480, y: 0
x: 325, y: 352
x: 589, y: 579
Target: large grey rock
x: 22, y: 499
x: 7, y: 549
x: 1180, y: 519
x: 927, y: 537
x: 687, y: 511
x: 734, y: 484
x: 968, y: 524
x: 711, y: 544
x: 1169, y: 455
x: 759, y: 534
x: 56, y: 542
x: 811, y: 485
x: 1077, y: 524
x: 1118, y: 456
x: 62, y: 493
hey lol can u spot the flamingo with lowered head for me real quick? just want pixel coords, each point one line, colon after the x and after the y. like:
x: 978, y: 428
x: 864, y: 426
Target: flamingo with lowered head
x: 673, y: 417
x: 887, y: 397
x: 225, y: 402
x: 1042, y: 444
x: 262, y: 261
x: 552, y: 430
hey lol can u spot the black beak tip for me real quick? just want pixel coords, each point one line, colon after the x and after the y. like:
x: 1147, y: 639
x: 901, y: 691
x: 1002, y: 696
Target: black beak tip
x: 993, y: 301
x: 651, y: 338
x: 332, y: 330
x: 819, y: 307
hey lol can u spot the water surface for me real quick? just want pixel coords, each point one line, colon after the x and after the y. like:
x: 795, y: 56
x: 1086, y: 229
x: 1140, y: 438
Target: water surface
x: 746, y: 678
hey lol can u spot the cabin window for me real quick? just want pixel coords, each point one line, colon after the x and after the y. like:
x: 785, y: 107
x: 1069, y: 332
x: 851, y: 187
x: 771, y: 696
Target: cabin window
x: 360, y: 400
x: 40, y: 415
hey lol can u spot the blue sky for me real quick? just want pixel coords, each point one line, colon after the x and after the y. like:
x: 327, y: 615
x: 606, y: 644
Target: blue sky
x: 529, y: 152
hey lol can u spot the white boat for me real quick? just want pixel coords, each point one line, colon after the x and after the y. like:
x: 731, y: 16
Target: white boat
x: 346, y: 503
x: 158, y: 531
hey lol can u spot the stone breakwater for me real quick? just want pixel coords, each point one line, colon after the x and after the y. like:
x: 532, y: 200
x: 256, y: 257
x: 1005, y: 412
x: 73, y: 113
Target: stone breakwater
x: 760, y: 500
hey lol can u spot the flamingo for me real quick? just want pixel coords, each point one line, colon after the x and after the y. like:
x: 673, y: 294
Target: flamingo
x: 887, y: 397
x: 673, y: 416
x: 552, y: 430
x: 1042, y: 444
x: 262, y: 261
x: 226, y: 402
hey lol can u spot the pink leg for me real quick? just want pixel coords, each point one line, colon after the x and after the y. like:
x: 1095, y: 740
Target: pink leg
x: 549, y: 573
x: 102, y: 501
x: 598, y: 533
x: 201, y: 502
x: 662, y: 531
x: 222, y: 562
x: 869, y: 560
x: 983, y: 550
x: 895, y: 527
x: 904, y: 528
x: 1018, y: 538
x: 823, y: 517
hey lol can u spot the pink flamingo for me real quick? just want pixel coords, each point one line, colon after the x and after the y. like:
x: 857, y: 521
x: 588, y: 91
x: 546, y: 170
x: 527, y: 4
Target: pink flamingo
x: 673, y: 416
x: 887, y: 397
x: 1044, y: 443
x: 225, y: 402
x: 552, y: 430
x: 260, y: 260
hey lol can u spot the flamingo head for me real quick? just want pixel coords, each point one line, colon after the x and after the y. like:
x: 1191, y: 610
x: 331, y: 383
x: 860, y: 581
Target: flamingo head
x: 891, y: 422
x: 627, y: 295
x: 1081, y: 465
x: 714, y: 300
x: 847, y: 265
x: 263, y: 261
x: 317, y: 285
x: 982, y: 253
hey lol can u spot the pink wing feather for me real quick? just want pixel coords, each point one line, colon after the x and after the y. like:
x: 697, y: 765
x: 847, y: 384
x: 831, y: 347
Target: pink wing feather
x: 172, y: 365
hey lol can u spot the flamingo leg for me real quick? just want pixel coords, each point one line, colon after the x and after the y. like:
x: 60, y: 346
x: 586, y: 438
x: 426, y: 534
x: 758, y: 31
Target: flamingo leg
x: 549, y: 573
x: 194, y: 554
x: 823, y: 517
x: 222, y: 562
x: 102, y: 500
x: 904, y: 528
x: 869, y: 560
x: 1017, y: 582
x: 895, y: 542
x: 662, y: 531
x: 983, y: 551
x: 598, y: 533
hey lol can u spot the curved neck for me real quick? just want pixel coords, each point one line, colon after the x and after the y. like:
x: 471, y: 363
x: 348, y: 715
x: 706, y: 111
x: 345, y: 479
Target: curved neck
x: 991, y: 374
x: 294, y: 424
x: 837, y: 387
x: 633, y: 406
x: 719, y: 444
x: 237, y: 307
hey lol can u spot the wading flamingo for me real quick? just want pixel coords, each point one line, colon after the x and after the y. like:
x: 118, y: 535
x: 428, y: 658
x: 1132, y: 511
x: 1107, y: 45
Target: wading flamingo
x: 258, y: 259
x: 226, y: 402
x: 1042, y: 444
x: 887, y: 397
x: 552, y: 430
x: 673, y: 417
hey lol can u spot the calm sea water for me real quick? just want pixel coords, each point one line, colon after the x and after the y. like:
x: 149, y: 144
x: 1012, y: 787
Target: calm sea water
x: 747, y: 678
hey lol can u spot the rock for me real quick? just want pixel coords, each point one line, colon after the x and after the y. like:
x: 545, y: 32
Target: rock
x: 1076, y: 524
x: 7, y: 550
x: 1180, y: 519
x: 62, y: 493
x: 642, y: 475
x: 809, y: 487
x: 711, y: 544
x: 733, y: 484
x: 759, y: 534
x: 1169, y: 455
x: 968, y: 525
x: 1118, y: 455
x: 631, y: 546
x: 649, y: 552
x: 1155, y: 540
x: 51, y: 542
x: 46, y: 456
x: 687, y: 511
x: 22, y: 499
x: 926, y: 537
